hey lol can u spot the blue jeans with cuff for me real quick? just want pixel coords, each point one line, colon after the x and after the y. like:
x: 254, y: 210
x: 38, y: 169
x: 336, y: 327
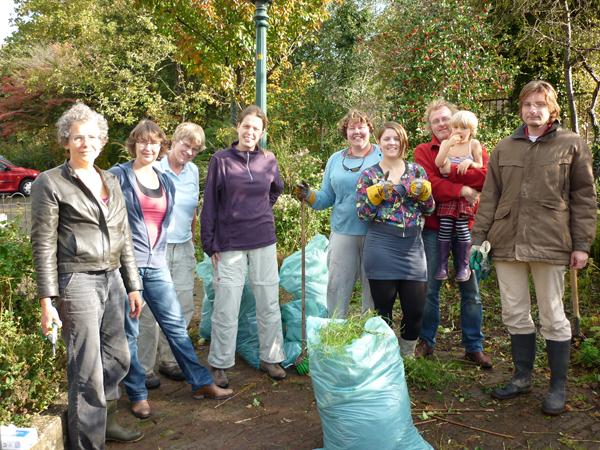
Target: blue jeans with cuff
x: 159, y: 294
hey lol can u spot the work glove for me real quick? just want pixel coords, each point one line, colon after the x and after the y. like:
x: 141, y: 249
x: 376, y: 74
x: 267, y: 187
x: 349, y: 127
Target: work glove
x: 303, y: 193
x: 380, y: 191
x: 480, y: 260
x: 420, y: 189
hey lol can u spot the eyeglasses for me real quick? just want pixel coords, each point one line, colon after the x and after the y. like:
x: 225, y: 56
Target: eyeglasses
x: 147, y: 144
x: 188, y: 147
x: 78, y: 139
x: 352, y: 169
x: 444, y: 119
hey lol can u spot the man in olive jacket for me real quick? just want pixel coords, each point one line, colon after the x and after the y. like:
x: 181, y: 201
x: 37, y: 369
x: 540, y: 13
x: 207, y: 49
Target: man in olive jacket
x: 538, y: 211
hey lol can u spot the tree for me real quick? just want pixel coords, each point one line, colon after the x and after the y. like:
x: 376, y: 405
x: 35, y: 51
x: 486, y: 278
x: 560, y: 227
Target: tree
x: 439, y: 49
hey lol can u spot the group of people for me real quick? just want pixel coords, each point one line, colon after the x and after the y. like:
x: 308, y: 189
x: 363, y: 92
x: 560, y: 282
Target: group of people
x: 106, y: 243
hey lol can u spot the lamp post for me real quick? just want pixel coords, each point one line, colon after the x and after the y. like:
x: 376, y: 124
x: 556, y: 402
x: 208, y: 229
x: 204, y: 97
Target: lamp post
x: 261, y: 19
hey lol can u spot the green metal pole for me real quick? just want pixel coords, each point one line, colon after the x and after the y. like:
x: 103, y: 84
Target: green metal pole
x: 262, y: 23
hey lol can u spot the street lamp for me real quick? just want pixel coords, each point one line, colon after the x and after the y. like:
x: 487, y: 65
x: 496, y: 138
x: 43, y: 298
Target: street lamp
x: 261, y: 19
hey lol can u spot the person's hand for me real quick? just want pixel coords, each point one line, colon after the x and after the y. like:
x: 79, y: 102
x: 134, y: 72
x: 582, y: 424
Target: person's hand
x: 470, y: 194
x: 578, y: 259
x: 49, y: 316
x: 454, y: 139
x: 463, y: 166
x: 303, y: 193
x: 420, y: 189
x: 136, y: 304
x: 387, y: 187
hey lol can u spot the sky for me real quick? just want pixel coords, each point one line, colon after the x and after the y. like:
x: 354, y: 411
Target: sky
x: 6, y: 10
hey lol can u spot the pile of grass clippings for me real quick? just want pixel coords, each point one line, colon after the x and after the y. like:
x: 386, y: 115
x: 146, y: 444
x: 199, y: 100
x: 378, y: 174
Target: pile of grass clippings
x: 336, y: 336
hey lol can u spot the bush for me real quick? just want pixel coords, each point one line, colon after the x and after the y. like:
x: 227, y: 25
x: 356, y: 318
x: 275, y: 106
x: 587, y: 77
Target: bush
x: 29, y: 379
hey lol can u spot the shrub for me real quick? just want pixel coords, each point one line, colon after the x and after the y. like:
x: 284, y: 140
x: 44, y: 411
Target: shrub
x: 29, y: 379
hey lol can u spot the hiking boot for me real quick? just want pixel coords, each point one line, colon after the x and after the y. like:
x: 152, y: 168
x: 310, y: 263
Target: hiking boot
x: 423, y: 349
x: 114, y: 431
x: 219, y: 377
x: 172, y: 372
x: 274, y: 370
x: 213, y: 392
x: 523, y: 354
x: 152, y: 381
x: 141, y: 409
x: 479, y: 358
x: 559, y: 353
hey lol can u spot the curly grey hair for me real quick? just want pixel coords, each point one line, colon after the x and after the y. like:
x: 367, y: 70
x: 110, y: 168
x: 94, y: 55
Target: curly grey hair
x: 80, y: 112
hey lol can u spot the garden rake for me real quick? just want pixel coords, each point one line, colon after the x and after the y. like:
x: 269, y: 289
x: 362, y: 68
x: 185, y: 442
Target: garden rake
x: 301, y: 362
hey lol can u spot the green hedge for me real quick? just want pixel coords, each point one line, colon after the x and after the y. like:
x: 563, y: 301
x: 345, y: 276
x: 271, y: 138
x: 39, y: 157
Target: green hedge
x: 30, y: 376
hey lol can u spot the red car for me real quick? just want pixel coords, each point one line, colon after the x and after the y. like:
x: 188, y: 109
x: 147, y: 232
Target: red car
x: 14, y: 178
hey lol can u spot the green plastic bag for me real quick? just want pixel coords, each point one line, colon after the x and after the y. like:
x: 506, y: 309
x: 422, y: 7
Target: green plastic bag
x: 361, y: 391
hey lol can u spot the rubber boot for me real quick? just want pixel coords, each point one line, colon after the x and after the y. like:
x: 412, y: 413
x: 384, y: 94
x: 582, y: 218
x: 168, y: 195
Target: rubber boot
x: 463, y: 271
x: 407, y: 348
x: 443, y: 252
x: 523, y: 354
x: 114, y: 431
x: 559, y: 353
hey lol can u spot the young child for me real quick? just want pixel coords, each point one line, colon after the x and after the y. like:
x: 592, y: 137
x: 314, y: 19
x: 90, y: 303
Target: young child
x: 460, y: 148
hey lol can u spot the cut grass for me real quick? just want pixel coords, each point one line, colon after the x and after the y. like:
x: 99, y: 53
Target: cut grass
x: 336, y: 336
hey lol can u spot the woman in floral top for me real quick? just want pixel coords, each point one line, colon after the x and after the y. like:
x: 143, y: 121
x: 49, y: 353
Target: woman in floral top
x: 392, y: 197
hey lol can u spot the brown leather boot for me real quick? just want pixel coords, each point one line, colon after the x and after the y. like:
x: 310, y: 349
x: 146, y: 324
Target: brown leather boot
x: 213, y: 392
x: 274, y: 370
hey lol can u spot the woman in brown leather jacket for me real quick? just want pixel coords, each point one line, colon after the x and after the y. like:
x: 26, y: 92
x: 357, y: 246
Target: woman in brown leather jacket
x: 83, y: 256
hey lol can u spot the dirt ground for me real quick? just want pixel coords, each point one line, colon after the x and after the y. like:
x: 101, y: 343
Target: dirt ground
x: 283, y: 415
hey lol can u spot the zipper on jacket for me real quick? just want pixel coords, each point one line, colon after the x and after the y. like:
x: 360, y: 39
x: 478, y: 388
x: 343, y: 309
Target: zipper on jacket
x: 248, y: 166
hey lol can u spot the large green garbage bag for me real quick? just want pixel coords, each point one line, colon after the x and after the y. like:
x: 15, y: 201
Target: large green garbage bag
x: 290, y: 279
x: 247, y: 335
x: 361, y: 391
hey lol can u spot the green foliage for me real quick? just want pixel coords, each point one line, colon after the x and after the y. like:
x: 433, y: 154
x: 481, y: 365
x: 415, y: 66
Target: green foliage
x: 17, y: 285
x: 29, y: 380
x: 588, y: 354
x: 336, y: 336
x: 427, y: 373
x: 442, y: 49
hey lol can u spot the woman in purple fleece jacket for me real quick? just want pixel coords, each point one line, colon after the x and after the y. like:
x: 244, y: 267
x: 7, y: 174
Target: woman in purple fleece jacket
x: 238, y: 233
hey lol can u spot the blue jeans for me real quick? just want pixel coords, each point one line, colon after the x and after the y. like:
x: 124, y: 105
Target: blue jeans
x: 471, y: 309
x: 159, y: 295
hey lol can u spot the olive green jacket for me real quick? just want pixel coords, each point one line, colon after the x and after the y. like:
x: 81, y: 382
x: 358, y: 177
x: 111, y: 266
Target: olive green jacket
x: 72, y: 232
x: 539, y: 200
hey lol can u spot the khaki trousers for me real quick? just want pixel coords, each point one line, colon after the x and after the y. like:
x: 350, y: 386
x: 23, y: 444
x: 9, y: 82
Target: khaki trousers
x: 229, y: 277
x: 549, y: 283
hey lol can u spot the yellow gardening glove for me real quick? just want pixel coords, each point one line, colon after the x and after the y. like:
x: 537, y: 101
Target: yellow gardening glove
x: 375, y: 194
x: 420, y: 189
x: 380, y: 191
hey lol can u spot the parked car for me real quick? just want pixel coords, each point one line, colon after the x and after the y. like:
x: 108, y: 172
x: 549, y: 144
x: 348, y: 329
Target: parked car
x: 14, y: 178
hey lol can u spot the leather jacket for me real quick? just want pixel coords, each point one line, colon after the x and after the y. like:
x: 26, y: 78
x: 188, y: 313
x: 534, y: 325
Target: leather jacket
x: 72, y: 232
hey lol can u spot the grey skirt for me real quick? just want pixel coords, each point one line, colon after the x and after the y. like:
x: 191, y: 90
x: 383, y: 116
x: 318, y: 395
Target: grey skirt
x: 394, y: 253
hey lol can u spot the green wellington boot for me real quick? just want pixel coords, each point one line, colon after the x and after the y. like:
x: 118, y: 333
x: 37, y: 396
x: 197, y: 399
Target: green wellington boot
x: 114, y: 431
x: 559, y: 353
x: 523, y: 354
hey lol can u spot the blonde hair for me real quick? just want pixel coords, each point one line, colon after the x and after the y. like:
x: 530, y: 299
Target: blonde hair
x: 191, y: 132
x: 399, y: 129
x: 548, y: 91
x: 465, y: 119
x: 434, y: 105
x: 353, y: 116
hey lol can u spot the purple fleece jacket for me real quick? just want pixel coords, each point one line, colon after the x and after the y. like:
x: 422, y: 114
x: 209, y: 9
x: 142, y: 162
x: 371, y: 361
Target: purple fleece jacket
x: 241, y: 188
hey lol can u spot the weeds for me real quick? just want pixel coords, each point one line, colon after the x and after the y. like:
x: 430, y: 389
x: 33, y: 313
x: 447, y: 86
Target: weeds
x: 336, y: 336
x: 425, y: 373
